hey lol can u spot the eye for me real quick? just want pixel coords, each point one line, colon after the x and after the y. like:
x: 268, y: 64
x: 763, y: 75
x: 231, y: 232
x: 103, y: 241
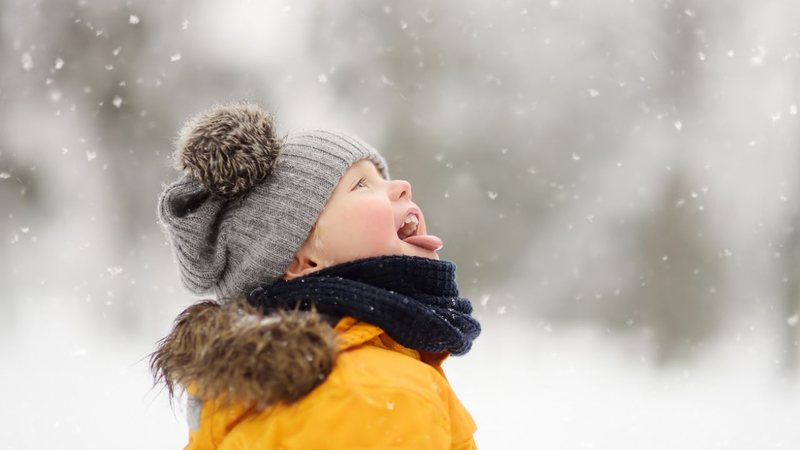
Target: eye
x: 361, y: 182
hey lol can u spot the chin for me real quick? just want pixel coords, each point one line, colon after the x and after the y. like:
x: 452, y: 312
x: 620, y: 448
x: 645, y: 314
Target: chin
x: 430, y: 254
x: 424, y: 255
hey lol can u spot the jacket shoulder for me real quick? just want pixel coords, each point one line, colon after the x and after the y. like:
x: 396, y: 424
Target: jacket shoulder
x: 373, y: 398
x: 371, y: 367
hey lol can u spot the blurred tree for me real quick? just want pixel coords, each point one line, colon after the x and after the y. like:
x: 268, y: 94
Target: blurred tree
x: 681, y: 275
x: 660, y: 272
x: 791, y: 303
x: 677, y: 296
x: 20, y: 204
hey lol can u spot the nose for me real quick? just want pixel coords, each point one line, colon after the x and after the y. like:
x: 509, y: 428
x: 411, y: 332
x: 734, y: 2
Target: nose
x: 400, y: 189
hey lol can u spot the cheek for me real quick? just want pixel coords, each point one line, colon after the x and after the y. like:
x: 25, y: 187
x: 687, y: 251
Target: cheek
x: 372, y: 220
x: 360, y: 229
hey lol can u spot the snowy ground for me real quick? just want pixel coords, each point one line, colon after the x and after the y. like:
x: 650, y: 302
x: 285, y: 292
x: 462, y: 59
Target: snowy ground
x: 548, y: 388
x: 65, y: 386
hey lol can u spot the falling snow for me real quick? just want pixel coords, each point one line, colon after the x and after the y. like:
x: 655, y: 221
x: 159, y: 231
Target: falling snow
x: 758, y: 58
x: 609, y: 201
x: 27, y: 61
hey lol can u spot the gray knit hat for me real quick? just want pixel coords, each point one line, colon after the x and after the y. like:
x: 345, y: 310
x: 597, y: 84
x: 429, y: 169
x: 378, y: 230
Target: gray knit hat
x: 247, y: 199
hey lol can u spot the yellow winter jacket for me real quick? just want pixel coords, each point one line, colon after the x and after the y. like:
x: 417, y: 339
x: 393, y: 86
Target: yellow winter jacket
x: 377, y: 395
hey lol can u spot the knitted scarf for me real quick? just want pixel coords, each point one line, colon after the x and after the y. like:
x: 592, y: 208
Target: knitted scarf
x: 413, y: 299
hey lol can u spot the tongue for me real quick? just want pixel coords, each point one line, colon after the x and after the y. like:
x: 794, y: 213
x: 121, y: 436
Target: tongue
x: 426, y: 241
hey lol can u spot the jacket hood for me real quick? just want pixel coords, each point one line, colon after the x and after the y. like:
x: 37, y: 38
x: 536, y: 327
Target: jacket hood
x: 235, y: 354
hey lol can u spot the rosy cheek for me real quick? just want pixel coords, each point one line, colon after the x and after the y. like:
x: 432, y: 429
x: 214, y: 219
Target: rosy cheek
x: 373, y: 219
x: 358, y: 228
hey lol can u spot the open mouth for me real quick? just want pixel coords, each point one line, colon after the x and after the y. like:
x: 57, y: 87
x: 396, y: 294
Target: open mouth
x: 412, y: 231
x: 410, y: 226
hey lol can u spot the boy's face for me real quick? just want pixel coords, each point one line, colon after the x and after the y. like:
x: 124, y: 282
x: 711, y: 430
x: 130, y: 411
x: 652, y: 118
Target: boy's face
x: 365, y: 216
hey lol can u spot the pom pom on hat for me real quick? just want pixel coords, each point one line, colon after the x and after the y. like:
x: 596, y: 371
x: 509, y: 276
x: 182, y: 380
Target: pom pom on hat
x: 229, y: 148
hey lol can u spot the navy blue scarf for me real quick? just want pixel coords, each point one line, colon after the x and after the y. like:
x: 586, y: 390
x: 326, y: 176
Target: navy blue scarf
x: 413, y: 299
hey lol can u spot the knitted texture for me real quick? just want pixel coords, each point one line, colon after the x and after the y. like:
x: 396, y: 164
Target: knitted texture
x: 229, y: 245
x: 413, y: 299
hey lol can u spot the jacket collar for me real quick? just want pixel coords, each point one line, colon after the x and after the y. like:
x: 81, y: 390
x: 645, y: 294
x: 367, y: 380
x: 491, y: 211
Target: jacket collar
x: 352, y: 333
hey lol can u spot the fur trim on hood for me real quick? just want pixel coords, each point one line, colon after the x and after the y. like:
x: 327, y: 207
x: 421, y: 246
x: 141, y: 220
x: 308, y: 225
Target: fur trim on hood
x: 235, y: 354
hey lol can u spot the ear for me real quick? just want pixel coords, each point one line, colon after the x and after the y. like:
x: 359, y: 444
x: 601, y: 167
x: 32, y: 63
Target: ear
x: 303, y: 263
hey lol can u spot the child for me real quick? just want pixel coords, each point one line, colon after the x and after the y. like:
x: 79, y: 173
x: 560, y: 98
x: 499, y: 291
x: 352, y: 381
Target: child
x: 333, y: 312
